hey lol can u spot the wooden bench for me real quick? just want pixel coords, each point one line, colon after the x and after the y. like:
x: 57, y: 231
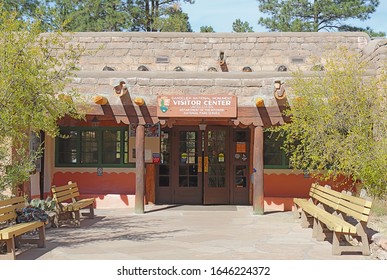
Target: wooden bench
x: 343, y: 215
x: 10, y: 230
x: 69, y: 204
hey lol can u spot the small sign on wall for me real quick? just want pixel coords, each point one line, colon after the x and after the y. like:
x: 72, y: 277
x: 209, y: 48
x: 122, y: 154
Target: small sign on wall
x: 99, y: 171
x: 156, y: 157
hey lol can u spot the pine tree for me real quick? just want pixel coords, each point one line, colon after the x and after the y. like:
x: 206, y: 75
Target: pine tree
x: 313, y: 15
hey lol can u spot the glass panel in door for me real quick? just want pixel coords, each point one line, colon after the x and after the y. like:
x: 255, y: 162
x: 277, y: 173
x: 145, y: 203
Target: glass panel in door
x: 216, y: 185
x: 188, y: 189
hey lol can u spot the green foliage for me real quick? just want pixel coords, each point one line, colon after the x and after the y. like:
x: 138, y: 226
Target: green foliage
x: 24, y: 9
x: 338, y: 122
x: 308, y: 16
x: 207, y: 29
x: 239, y: 26
x: 34, y: 70
x: 370, y: 31
x: 157, y: 15
x: 88, y: 15
x: 45, y: 204
x: 175, y: 21
x: 103, y: 15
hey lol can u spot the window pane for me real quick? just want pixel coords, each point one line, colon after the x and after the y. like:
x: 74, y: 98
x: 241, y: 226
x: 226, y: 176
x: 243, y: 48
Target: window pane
x: 67, y: 146
x: 273, y: 154
x: 164, y: 147
x: 163, y: 181
x: 240, y: 176
x: 89, y: 147
x: 126, y: 146
x: 111, y: 140
x: 85, y: 145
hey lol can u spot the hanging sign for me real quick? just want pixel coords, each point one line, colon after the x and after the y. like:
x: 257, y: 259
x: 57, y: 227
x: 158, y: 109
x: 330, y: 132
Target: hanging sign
x: 221, y: 157
x: 183, y: 158
x: 216, y: 106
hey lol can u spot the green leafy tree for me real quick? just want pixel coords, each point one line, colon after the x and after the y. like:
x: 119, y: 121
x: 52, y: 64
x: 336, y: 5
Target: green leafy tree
x: 24, y: 9
x: 176, y: 21
x: 239, y: 26
x: 87, y: 15
x: 338, y: 122
x: 370, y: 31
x: 74, y: 15
x: 33, y: 74
x: 104, y: 15
x: 313, y: 16
x: 207, y: 29
x: 154, y: 15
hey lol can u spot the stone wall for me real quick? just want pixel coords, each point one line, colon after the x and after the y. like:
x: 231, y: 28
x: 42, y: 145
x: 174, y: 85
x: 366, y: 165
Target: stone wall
x: 197, y: 52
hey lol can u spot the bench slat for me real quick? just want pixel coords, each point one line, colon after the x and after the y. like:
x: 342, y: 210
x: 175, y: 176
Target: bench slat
x: 7, y: 209
x: 8, y: 216
x: 65, y: 187
x: 12, y: 201
x: 335, y: 218
x: 9, y: 231
x: 19, y: 229
x: 67, y: 199
x: 357, y: 200
x: 79, y: 204
x: 66, y: 191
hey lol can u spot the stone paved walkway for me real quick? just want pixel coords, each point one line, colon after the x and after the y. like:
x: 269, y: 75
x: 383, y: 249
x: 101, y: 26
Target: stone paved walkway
x: 185, y: 233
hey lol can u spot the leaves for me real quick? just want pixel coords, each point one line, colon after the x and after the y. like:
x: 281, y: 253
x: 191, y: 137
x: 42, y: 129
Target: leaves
x: 32, y: 74
x: 317, y: 15
x: 239, y: 26
x: 338, y: 125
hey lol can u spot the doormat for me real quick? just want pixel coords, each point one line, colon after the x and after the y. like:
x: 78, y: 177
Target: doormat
x: 204, y: 208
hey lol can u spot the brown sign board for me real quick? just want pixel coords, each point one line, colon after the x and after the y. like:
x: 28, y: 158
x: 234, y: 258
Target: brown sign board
x: 199, y: 106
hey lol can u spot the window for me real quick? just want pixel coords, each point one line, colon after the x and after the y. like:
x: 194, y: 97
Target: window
x: 86, y: 146
x: 273, y: 156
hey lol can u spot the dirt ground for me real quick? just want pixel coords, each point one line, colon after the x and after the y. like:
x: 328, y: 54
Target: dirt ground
x: 378, y: 223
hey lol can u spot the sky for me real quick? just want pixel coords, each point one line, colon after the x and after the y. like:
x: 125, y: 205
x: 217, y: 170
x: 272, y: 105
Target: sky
x: 220, y: 14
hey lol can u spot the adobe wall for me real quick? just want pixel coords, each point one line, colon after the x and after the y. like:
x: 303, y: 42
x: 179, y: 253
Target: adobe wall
x: 196, y: 52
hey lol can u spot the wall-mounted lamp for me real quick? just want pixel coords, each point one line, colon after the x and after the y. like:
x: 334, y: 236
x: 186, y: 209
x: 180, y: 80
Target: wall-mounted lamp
x: 95, y: 121
x: 139, y: 101
x: 202, y: 126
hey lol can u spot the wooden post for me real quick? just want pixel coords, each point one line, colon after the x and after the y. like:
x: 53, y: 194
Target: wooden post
x: 150, y: 183
x: 258, y: 199
x: 140, y: 167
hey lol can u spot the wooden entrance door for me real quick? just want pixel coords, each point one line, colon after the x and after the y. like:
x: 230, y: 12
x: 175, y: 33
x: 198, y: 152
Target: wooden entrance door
x: 216, y: 183
x: 186, y: 171
x: 204, y: 167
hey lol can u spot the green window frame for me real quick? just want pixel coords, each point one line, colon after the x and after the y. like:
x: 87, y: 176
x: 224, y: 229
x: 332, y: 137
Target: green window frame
x: 92, y: 147
x: 274, y: 157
